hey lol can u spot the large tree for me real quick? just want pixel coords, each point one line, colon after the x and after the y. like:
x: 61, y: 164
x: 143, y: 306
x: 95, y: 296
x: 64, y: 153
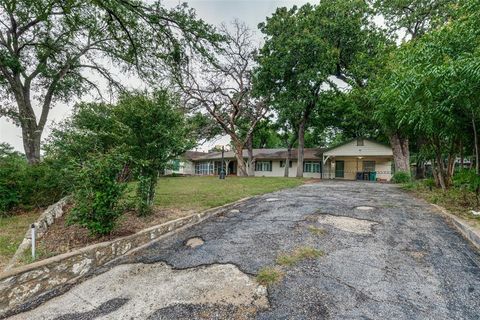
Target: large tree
x: 55, y: 50
x: 305, y: 49
x: 221, y: 87
x: 436, y: 82
x: 409, y: 20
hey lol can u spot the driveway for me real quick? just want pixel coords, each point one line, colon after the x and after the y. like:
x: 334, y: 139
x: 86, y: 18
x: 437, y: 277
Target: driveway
x: 386, y: 256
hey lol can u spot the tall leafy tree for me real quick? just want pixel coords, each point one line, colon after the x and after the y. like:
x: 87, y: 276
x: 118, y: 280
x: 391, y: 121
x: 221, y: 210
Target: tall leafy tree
x: 305, y: 48
x: 49, y: 50
x: 413, y: 18
x: 435, y: 82
x: 408, y: 19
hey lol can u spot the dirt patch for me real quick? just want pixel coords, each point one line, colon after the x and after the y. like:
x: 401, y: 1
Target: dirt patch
x: 348, y: 224
x: 194, y: 242
x: 61, y: 238
x: 147, y: 288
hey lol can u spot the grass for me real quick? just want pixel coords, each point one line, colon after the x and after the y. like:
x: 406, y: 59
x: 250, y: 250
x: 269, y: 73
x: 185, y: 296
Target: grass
x: 269, y: 275
x: 299, y: 254
x: 176, y: 196
x: 12, y: 231
x: 200, y: 193
x: 457, y: 201
x: 316, y: 230
x: 272, y: 274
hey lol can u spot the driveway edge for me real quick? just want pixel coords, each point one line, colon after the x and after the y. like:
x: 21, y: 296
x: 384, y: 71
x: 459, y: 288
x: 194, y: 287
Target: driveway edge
x: 26, y: 284
x: 468, y: 232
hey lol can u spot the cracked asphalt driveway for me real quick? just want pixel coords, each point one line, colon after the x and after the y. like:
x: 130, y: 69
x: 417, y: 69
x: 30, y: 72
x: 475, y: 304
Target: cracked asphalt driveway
x: 387, y: 256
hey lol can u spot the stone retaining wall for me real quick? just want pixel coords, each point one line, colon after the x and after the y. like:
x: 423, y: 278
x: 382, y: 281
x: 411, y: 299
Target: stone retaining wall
x: 22, y: 285
x: 46, y: 219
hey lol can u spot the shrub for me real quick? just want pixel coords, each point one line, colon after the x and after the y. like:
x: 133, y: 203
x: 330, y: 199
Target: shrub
x: 429, y: 183
x: 401, y: 177
x: 12, y: 167
x: 25, y: 186
x: 97, y: 194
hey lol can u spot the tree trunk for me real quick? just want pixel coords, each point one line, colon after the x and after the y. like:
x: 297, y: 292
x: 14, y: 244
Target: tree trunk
x: 31, y: 144
x: 31, y: 132
x: 401, y: 153
x: 251, y: 160
x: 475, y: 139
x: 241, y: 167
x: 441, y: 172
x: 462, y: 156
x: 301, y: 147
x: 287, y: 162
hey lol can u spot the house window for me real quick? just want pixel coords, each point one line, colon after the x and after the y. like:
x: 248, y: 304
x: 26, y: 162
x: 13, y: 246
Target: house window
x: 360, y: 142
x: 176, y: 165
x: 311, y: 166
x: 368, y: 166
x: 204, y: 168
x: 282, y: 164
x: 263, y: 166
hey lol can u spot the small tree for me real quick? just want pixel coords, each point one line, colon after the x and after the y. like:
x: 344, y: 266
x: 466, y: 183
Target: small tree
x: 156, y: 132
x: 105, y: 144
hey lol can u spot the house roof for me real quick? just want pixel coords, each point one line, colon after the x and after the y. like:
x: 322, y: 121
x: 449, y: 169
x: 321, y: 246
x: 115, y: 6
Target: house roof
x: 259, y: 154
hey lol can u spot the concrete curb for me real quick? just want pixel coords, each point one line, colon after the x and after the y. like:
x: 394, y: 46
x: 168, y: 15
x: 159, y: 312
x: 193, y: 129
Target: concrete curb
x: 26, y: 284
x: 463, y: 227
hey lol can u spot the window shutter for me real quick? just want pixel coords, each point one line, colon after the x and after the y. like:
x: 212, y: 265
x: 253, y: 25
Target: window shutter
x: 270, y: 166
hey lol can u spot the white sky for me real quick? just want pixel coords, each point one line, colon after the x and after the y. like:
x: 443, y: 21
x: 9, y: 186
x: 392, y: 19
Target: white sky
x: 252, y: 12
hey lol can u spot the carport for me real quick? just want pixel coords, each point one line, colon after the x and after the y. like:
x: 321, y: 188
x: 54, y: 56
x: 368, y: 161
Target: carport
x: 358, y: 159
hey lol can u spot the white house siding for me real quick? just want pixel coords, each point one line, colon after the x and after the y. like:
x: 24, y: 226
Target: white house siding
x: 278, y: 171
x: 369, y: 148
x: 186, y: 168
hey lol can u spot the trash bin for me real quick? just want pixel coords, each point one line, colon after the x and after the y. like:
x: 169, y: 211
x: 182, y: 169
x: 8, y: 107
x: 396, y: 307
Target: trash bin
x: 359, y: 176
x: 366, y: 175
x: 373, y: 176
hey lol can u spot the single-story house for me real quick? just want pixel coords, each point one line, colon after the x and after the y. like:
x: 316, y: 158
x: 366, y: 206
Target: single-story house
x: 355, y: 159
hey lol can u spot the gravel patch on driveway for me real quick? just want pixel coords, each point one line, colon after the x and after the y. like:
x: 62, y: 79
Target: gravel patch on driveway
x: 406, y: 263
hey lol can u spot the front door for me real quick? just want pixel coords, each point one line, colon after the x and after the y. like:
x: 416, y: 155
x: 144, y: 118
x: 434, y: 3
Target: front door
x: 339, y: 169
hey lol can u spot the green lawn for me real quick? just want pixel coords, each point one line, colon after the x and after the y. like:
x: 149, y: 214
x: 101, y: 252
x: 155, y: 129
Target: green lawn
x: 181, y: 193
x: 12, y: 231
x: 199, y: 193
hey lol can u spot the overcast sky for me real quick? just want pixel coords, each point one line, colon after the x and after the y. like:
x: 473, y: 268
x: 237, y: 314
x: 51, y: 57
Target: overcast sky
x: 252, y: 12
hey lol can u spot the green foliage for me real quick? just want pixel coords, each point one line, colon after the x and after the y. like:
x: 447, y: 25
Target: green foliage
x: 103, y: 146
x: 25, y: 186
x: 97, y: 194
x: 12, y: 166
x: 401, y: 177
x: 50, y: 49
x: 467, y: 179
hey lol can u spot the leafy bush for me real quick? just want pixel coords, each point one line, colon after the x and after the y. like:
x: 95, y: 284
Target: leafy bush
x: 468, y: 180
x: 429, y: 183
x: 12, y: 166
x: 26, y: 186
x: 401, y: 177
x: 97, y: 194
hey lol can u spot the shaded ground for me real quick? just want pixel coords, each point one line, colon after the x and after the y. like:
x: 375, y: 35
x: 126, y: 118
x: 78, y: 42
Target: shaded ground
x: 399, y: 261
